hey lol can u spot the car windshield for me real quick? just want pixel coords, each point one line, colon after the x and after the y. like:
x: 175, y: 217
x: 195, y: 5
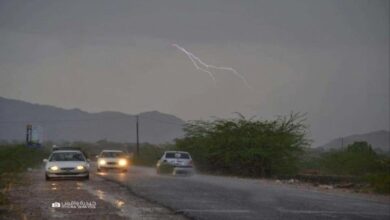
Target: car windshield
x: 177, y: 155
x: 112, y: 154
x: 67, y: 156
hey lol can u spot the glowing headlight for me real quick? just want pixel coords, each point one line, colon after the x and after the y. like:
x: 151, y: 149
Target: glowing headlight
x: 80, y: 168
x: 102, y: 162
x: 54, y: 168
x: 122, y: 162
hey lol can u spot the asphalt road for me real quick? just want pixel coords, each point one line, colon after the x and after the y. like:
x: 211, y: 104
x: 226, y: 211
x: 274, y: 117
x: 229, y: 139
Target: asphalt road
x: 225, y: 198
x: 93, y: 199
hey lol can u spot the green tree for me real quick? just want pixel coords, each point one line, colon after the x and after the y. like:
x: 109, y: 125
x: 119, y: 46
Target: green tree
x: 246, y: 147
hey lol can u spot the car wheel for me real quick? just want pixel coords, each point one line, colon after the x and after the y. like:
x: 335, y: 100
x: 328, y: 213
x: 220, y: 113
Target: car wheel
x: 87, y: 177
x: 47, y: 177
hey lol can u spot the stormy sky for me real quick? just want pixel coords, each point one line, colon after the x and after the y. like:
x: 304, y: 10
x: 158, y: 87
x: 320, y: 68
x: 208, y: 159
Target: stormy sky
x: 328, y: 58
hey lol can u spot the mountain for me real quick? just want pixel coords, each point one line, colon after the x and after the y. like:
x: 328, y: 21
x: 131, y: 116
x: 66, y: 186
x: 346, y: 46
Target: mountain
x: 379, y: 140
x: 57, y: 124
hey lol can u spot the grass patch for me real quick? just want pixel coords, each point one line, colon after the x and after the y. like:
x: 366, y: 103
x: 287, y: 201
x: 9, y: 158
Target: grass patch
x: 15, y: 159
x: 380, y: 182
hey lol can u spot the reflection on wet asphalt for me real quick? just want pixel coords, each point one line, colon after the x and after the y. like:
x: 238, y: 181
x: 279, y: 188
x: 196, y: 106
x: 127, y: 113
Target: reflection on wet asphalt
x: 35, y: 200
x: 231, y: 198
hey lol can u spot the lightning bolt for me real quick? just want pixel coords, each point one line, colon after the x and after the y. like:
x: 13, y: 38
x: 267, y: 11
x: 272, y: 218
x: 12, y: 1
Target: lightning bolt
x: 193, y: 59
x: 202, y: 66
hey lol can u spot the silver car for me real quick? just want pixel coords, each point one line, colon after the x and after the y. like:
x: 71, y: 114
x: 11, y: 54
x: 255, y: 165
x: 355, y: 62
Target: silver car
x: 181, y: 162
x: 66, y: 164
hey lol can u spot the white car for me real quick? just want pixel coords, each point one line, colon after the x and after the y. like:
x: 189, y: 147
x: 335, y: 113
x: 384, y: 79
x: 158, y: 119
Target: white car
x: 66, y: 164
x: 181, y: 162
x: 112, y: 159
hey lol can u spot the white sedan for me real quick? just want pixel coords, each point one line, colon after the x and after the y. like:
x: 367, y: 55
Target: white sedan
x: 180, y: 161
x: 112, y: 159
x: 66, y: 164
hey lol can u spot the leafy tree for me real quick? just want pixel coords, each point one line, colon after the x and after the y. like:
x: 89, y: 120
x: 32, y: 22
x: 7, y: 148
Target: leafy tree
x: 246, y: 147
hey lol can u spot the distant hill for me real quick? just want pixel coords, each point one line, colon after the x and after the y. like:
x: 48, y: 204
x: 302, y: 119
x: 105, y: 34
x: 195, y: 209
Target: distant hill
x: 76, y: 125
x: 377, y: 139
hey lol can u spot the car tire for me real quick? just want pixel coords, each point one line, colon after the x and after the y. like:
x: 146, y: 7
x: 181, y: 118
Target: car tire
x: 87, y: 177
x: 47, y: 178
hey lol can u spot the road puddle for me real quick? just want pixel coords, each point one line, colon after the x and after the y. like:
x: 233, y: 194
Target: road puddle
x: 125, y: 210
x: 119, y: 203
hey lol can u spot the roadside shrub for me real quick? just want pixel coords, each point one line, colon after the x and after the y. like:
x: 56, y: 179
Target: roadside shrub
x: 148, y: 155
x: 18, y: 158
x: 246, y: 147
x: 15, y: 159
x: 380, y: 182
x: 357, y: 159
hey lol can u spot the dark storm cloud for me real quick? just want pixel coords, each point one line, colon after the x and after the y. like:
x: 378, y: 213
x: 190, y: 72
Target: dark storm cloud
x: 327, y: 58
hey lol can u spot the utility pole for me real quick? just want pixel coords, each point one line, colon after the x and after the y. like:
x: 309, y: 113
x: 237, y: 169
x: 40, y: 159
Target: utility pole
x: 28, y: 134
x: 137, y: 135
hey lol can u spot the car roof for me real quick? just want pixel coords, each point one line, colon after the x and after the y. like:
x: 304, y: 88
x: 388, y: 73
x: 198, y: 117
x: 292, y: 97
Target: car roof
x: 112, y: 151
x: 67, y: 151
x: 181, y: 152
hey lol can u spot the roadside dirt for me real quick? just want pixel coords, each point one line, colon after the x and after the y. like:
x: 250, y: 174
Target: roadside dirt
x: 79, y: 200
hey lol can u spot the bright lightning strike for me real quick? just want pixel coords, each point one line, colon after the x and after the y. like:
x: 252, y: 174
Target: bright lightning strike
x: 202, y: 66
x: 193, y: 59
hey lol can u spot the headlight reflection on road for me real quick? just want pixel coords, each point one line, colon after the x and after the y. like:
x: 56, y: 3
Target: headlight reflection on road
x: 102, y: 173
x: 119, y: 203
x: 79, y: 185
x: 100, y: 194
x: 53, y: 186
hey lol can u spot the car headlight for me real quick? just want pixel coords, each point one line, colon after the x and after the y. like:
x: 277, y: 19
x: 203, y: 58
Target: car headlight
x: 80, y: 168
x: 54, y: 168
x: 122, y: 162
x: 102, y: 162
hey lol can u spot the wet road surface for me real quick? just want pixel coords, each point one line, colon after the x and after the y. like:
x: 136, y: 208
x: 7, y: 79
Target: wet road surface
x: 79, y: 200
x: 211, y: 197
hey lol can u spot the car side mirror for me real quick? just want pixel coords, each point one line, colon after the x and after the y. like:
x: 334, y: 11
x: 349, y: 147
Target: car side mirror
x: 45, y: 160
